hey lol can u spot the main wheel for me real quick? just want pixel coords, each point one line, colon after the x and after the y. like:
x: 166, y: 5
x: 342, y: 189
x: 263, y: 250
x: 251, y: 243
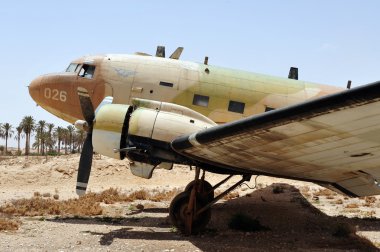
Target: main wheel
x: 206, y: 193
x: 178, y: 216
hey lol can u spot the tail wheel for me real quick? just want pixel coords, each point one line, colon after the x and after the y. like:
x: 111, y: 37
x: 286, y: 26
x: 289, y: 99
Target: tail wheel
x: 205, y: 191
x: 179, y: 215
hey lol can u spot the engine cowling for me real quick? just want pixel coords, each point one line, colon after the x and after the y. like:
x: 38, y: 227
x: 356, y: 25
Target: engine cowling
x: 146, y: 125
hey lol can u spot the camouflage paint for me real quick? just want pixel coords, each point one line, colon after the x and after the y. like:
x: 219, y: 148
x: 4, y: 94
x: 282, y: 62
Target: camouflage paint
x: 134, y: 76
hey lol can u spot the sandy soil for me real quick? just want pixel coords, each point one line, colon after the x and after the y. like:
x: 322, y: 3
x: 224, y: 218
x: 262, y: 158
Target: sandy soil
x: 303, y: 216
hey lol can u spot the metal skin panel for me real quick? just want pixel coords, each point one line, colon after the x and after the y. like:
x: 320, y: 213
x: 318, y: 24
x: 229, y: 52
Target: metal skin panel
x: 119, y: 75
x: 163, y: 121
x: 57, y: 93
x: 142, y: 122
x: 334, y: 139
x: 169, y: 126
x: 108, y: 127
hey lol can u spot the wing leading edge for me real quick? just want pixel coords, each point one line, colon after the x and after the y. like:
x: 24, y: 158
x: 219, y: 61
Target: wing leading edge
x: 334, y: 140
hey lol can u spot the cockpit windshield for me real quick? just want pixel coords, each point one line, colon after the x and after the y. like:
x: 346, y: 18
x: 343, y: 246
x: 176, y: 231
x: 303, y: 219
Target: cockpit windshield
x: 73, y: 68
x: 87, y: 71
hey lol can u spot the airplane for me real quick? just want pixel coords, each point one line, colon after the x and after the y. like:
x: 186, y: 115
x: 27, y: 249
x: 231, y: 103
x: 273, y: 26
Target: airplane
x: 157, y: 111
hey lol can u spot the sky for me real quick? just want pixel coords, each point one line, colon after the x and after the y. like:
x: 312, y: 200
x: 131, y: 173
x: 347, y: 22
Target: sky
x: 329, y: 41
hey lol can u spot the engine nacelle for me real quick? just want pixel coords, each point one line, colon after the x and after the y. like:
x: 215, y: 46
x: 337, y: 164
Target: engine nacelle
x: 147, y: 125
x: 107, y: 135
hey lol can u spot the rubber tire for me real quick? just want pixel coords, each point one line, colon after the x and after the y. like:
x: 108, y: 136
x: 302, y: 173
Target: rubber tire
x: 177, y: 214
x: 207, y: 194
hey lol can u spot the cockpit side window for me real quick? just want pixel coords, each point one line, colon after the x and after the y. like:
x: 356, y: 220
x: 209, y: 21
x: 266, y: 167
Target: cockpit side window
x: 87, y: 71
x: 78, y: 68
x: 71, y: 68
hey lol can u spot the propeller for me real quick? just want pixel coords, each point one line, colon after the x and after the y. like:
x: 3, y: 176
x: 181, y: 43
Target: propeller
x: 85, y: 161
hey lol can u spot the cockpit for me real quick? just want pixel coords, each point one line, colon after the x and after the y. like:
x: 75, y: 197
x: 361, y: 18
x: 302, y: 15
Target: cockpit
x: 83, y: 70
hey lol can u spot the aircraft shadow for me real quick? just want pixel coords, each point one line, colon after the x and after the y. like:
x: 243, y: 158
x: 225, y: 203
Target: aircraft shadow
x: 292, y: 224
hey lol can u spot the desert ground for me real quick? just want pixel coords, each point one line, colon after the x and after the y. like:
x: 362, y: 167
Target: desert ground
x: 133, y: 216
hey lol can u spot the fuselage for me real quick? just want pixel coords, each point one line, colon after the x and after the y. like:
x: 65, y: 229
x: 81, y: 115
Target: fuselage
x: 221, y: 94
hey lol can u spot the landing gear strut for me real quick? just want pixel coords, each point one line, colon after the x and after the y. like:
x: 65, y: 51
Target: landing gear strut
x: 190, y: 211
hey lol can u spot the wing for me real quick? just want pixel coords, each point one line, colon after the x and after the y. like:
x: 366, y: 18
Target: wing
x: 333, y: 140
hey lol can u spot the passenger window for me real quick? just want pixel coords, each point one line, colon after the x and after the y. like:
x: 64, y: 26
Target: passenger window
x: 166, y: 84
x: 87, y: 71
x: 237, y: 107
x: 268, y: 109
x: 71, y: 68
x: 201, y: 100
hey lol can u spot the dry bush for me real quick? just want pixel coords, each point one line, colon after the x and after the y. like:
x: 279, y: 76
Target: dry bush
x: 8, y: 225
x: 87, y: 205
x: 164, y: 196
x: 352, y: 210
x: 139, y: 195
x: 352, y: 205
x: 46, y: 195
x: 304, y: 189
x: 369, y: 214
x: 324, y: 192
x: 231, y: 195
x: 369, y: 201
x: 38, y: 206
x: 339, y: 202
x: 307, y: 195
x: 330, y: 197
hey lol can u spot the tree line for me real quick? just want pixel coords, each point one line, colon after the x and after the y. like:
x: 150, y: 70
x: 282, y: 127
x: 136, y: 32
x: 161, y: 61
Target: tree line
x: 48, y: 139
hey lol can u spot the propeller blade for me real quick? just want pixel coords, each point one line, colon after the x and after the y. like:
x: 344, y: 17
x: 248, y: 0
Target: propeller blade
x: 160, y: 51
x: 86, y: 105
x: 177, y: 53
x: 85, y: 163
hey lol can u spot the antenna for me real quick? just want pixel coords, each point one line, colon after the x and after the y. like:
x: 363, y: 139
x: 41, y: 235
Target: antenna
x: 349, y: 84
x: 206, y: 60
x: 293, y: 73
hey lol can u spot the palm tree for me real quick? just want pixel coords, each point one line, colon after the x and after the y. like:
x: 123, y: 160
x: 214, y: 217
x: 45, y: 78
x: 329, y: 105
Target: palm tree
x: 70, y: 131
x: 50, y: 140
x: 1, y: 131
x: 7, y: 132
x: 40, y: 138
x: 18, y: 137
x: 65, y: 138
x: 59, y: 134
x: 28, y: 127
x: 80, y: 139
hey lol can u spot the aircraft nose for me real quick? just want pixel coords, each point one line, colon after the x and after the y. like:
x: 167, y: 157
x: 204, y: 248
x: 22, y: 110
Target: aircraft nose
x: 34, y: 89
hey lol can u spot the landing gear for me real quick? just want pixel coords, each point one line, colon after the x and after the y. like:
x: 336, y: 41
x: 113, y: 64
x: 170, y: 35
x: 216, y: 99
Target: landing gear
x: 190, y: 211
x: 205, y: 191
x: 180, y: 215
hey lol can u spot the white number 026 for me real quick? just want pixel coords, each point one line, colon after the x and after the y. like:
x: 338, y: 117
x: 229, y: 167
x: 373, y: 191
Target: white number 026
x: 55, y: 94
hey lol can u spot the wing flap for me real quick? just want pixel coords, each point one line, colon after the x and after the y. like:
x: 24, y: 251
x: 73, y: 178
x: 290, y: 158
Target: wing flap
x: 333, y: 139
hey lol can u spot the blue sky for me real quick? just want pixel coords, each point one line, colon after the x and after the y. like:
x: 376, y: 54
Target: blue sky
x: 330, y: 41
